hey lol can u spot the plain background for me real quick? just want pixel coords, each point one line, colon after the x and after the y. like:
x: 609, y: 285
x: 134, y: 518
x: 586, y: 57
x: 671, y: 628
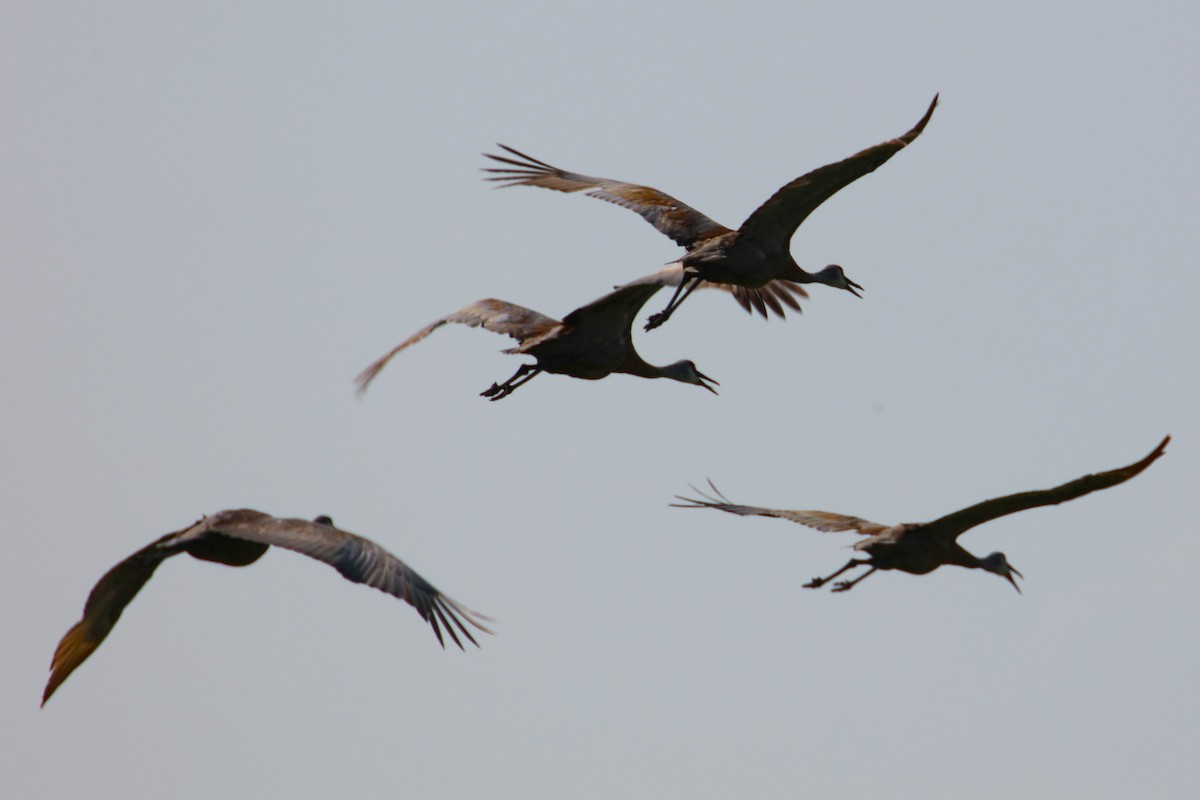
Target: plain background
x: 214, y: 215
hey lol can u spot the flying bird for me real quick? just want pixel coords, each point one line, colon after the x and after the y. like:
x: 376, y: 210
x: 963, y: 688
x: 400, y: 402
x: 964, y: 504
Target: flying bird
x: 591, y: 342
x: 239, y: 538
x: 756, y: 256
x: 922, y: 547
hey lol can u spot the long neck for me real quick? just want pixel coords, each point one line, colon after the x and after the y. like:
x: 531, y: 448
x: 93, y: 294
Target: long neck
x: 796, y: 273
x: 683, y: 371
x: 955, y: 554
x: 634, y: 365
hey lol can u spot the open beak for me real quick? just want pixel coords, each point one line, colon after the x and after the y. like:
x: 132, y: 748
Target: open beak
x: 851, y: 286
x: 703, y: 378
x: 1013, y: 571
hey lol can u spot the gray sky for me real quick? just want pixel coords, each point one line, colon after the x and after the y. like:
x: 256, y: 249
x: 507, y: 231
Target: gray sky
x: 215, y: 216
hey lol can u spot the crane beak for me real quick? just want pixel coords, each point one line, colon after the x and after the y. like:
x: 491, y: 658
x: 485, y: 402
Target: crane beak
x: 704, y: 378
x: 851, y: 286
x: 1013, y: 571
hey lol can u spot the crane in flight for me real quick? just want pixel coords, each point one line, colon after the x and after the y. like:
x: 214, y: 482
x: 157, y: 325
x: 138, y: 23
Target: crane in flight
x: 591, y: 342
x: 921, y: 547
x: 756, y: 256
x: 238, y: 538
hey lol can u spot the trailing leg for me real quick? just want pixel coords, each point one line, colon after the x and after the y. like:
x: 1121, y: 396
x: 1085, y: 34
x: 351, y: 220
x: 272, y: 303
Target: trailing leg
x: 845, y: 586
x: 523, y: 375
x: 817, y: 583
x: 676, y: 300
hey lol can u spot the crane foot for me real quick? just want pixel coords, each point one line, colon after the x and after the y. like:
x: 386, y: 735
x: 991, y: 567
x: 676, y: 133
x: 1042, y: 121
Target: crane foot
x: 815, y: 583
x: 843, y: 586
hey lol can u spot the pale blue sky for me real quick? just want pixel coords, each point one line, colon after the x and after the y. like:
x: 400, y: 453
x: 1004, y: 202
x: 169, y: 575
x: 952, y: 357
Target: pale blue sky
x: 215, y: 216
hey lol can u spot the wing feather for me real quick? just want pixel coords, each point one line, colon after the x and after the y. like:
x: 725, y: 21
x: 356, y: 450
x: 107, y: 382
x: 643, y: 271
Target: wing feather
x: 820, y: 520
x: 107, y: 600
x: 361, y: 560
x: 494, y: 315
x: 783, y: 212
x: 669, y: 216
x: 952, y: 525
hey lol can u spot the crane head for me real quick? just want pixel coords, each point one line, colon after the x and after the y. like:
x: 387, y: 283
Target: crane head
x: 686, y: 372
x: 996, y: 563
x: 835, y: 276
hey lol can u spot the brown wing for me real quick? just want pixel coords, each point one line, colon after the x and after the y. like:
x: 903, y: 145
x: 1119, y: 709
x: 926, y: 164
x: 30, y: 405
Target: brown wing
x: 681, y: 222
x: 360, y: 560
x: 952, y: 525
x: 773, y: 295
x: 821, y: 520
x: 779, y: 217
x: 104, y: 605
x: 497, y: 316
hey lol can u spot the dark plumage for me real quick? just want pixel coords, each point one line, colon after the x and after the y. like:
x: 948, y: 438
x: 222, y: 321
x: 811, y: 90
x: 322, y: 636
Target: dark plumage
x: 238, y: 538
x: 921, y: 547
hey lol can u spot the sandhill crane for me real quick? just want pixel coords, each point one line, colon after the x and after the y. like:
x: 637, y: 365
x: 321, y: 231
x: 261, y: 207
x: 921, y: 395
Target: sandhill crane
x: 238, y: 538
x: 921, y: 547
x: 755, y: 254
x: 591, y: 342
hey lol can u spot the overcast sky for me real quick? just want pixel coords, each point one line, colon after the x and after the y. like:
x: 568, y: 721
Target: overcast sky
x: 214, y: 215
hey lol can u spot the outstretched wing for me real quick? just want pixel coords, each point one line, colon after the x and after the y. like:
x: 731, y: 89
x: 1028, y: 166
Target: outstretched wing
x: 821, y: 520
x: 212, y: 538
x: 681, y: 222
x: 773, y: 295
x: 359, y: 560
x: 494, y: 315
x: 952, y: 525
x: 783, y: 212
x: 103, y: 608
